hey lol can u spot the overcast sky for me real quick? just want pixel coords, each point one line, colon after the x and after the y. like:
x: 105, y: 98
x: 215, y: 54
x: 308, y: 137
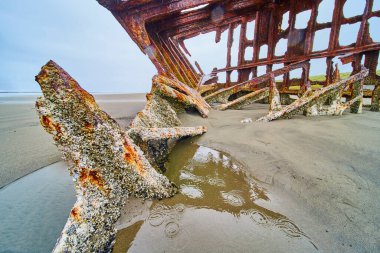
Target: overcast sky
x: 87, y: 41
x: 80, y: 35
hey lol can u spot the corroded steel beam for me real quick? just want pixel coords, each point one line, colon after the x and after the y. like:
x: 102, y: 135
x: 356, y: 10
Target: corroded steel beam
x: 245, y: 100
x: 319, y: 96
x: 104, y: 162
x: 157, y: 134
x: 314, y: 55
x: 160, y: 116
x: 274, y: 96
x: 209, y: 83
x: 222, y: 95
x: 160, y: 28
x: 271, y: 92
x: 107, y: 164
x: 180, y: 92
x: 151, y: 117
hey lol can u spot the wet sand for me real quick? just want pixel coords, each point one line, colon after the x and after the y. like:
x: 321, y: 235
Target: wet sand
x: 26, y: 147
x: 218, y: 209
x: 321, y: 173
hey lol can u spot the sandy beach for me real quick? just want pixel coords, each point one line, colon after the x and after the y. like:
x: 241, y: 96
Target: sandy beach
x: 26, y: 147
x: 322, y: 172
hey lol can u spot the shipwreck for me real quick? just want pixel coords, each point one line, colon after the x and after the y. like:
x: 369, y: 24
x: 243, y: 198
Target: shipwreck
x: 109, y: 163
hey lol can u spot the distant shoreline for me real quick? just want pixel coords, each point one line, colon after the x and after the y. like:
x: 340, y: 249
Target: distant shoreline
x: 26, y: 147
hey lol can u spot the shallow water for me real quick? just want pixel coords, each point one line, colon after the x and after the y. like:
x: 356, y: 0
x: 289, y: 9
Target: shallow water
x: 215, y: 211
x: 34, y: 209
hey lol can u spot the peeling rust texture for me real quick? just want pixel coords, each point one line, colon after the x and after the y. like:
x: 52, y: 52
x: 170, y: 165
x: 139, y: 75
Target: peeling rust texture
x: 318, y: 98
x: 149, y: 134
x: 160, y: 29
x: 156, y: 128
x: 223, y: 95
x: 106, y: 163
x: 180, y: 92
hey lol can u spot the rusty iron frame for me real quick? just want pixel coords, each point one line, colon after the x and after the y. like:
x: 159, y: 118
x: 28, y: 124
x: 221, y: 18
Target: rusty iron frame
x: 160, y: 28
x: 122, y: 163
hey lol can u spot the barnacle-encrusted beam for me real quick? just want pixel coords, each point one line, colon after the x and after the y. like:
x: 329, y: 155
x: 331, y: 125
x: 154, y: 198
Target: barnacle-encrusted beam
x: 375, y: 100
x: 155, y: 129
x: 247, y: 99
x: 161, y: 29
x: 158, y: 134
x: 157, y: 113
x: 209, y: 83
x: 250, y: 98
x: 180, y: 92
x: 274, y: 96
x: 222, y: 95
x: 319, y: 97
x: 104, y: 162
x: 209, y: 88
x: 157, y: 143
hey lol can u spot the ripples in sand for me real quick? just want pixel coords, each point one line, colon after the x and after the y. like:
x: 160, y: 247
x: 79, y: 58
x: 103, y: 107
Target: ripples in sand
x: 215, y: 210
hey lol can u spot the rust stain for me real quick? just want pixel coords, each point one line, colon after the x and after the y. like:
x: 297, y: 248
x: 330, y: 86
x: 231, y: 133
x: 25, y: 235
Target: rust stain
x: 83, y: 176
x: 180, y: 96
x: 159, y: 29
x: 75, y: 214
x: 149, y: 96
x: 88, y: 127
x: 49, y: 125
x: 93, y: 177
x: 132, y: 157
x: 58, y: 128
x: 46, y: 122
x: 42, y: 76
x: 84, y: 95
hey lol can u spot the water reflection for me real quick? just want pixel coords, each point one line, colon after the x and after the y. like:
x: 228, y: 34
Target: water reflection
x: 214, y: 211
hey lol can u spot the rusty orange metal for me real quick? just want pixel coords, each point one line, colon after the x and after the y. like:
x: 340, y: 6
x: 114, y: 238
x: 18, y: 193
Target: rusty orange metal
x: 160, y: 28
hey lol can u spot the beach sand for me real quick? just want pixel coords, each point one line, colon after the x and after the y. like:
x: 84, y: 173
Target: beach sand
x: 26, y: 147
x: 322, y: 172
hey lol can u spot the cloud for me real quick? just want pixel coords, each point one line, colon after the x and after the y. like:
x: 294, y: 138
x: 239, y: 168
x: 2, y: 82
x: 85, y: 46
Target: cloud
x: 81, y: 36
x: 87, y: 41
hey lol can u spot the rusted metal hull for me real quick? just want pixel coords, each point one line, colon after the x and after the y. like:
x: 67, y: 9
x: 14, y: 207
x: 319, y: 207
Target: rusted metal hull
x: 320, y: 96
x: 108, y: 163
x: 161, y: 28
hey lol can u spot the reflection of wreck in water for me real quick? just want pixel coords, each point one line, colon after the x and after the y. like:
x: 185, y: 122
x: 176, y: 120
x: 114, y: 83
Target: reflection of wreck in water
x: 108, y: 163
x: 217, y: 201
